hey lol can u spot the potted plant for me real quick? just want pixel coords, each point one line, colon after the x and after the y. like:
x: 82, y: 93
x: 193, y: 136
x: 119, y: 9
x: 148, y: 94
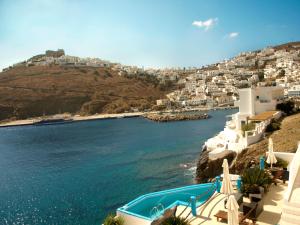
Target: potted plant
x: 255, y: 181
x: 113, y: 220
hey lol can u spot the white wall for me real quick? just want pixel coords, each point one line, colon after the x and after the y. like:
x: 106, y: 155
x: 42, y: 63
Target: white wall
x: 286, y: 156
x: 246, y: 101
x: 264, y: 106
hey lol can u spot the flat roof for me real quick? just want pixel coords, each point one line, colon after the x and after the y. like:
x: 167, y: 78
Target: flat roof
x: 264, y: 116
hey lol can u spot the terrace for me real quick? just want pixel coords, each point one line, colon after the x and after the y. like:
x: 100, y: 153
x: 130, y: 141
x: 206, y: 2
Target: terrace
x: 206, y: 204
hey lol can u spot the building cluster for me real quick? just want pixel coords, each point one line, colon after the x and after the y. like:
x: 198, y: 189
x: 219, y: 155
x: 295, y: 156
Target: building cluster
x: 218, y: 84
x: 209, y: 86
x: 59, y: 58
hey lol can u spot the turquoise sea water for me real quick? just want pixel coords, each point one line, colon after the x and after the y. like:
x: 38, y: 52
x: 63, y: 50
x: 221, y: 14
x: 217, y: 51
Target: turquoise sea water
x: 77, y: 173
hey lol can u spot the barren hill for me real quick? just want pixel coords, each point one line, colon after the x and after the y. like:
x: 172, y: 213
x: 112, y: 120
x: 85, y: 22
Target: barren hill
x: 44, y: 90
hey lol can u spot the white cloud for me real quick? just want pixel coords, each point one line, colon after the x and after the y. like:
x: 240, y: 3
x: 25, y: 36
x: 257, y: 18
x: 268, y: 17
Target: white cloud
x: 207, y: 24
x: 233, y: 35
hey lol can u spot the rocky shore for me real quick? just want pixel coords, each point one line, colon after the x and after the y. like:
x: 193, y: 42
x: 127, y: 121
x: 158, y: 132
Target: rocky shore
x: 167, y: 117
x: 208, y: 169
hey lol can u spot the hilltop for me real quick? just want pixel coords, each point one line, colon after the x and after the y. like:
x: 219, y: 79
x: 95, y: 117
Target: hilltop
x: 45, y: 90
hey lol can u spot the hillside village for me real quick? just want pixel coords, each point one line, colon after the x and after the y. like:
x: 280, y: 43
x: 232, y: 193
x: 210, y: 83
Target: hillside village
x: 217, y: 84
x: 208, y: 86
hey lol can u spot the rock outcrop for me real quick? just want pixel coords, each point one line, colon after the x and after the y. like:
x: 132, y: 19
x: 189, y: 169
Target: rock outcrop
x: 208, y: 169
x: 166, y: 117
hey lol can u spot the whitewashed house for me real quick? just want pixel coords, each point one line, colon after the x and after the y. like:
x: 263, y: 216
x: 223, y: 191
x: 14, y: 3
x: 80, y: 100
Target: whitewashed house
x: 294, y: 91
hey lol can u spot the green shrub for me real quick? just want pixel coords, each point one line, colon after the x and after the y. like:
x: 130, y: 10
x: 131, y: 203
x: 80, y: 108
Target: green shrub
x: 112, y: 220
x: 286, y: 107
x: 174, y: 220
x: 247, y: 127
x: 253, y: 178
x: 273, y: 126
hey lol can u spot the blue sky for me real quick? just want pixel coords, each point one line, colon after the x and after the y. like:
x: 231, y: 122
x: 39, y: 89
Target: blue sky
x: 150, y: 33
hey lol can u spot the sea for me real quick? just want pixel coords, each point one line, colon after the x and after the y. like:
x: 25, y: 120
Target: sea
x: 77, y: 173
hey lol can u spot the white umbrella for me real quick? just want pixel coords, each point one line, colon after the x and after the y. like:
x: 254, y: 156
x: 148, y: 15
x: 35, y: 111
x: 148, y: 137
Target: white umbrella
x: 271, y: 157
x: 226, y: 187
x: 232, y: 210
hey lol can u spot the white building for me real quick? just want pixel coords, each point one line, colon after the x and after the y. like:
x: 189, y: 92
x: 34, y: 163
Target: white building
x: 294, y: 91
x: 257, y: 105
x: 257, y: 100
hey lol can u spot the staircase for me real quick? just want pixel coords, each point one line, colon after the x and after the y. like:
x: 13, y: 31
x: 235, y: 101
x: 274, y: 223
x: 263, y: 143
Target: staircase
x: 291, y: 209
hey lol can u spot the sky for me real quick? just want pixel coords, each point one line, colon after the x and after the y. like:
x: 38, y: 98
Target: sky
x: 149, y: 33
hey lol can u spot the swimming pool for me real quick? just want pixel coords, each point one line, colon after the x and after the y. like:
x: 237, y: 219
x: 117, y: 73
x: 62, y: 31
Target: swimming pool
x: 152, y: 205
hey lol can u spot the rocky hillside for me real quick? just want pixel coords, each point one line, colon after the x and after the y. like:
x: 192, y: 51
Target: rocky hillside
x: 44, y: 90
x: 284, y: 140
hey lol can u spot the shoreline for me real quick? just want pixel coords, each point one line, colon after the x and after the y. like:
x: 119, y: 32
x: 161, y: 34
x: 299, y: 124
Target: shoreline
x: 78, y: 118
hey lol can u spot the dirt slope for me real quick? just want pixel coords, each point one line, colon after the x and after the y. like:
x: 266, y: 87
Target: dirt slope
x: 33, y: 91
x: 285, y: 140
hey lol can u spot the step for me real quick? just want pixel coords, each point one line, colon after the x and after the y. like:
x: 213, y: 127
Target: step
x: 293, y: 219
x: 295, y: 204
x: 291, y: 210
x: 287, y: 223
x: 180, y: 208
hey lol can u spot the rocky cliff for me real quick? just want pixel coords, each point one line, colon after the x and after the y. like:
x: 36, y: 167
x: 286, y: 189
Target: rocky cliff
x: 208, y: 169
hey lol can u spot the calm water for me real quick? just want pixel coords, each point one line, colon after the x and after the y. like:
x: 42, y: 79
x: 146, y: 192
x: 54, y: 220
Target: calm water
x: 76, y: 173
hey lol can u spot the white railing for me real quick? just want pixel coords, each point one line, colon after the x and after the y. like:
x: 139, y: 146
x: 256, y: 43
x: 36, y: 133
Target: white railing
x: 255, y: 135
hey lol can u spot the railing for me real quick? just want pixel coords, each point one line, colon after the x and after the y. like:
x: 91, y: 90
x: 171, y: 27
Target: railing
x: 157, y: 211
x: 211, y: 189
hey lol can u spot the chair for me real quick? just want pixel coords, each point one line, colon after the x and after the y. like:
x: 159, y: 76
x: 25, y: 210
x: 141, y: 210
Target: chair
x: 247, y: 214
x: 280, y: 175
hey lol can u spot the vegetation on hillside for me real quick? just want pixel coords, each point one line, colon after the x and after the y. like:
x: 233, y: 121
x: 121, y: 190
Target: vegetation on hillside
x: 286, y: 107
x: 273, y: 126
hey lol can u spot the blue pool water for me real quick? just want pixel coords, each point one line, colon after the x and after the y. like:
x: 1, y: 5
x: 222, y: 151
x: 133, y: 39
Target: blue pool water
x: 152, y: 205
x: 79, y: 172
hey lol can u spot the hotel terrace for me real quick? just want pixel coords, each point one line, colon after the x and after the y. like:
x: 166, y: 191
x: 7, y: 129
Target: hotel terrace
x: 206, y: 204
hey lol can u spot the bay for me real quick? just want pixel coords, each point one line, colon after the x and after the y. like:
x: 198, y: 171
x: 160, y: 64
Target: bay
x: 77, y: 173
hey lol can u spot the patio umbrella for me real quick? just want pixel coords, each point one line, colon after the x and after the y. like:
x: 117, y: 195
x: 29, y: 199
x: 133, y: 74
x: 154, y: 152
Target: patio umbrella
x: 226, y: 187
x: 271, y: 156
x: 232, y: 210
